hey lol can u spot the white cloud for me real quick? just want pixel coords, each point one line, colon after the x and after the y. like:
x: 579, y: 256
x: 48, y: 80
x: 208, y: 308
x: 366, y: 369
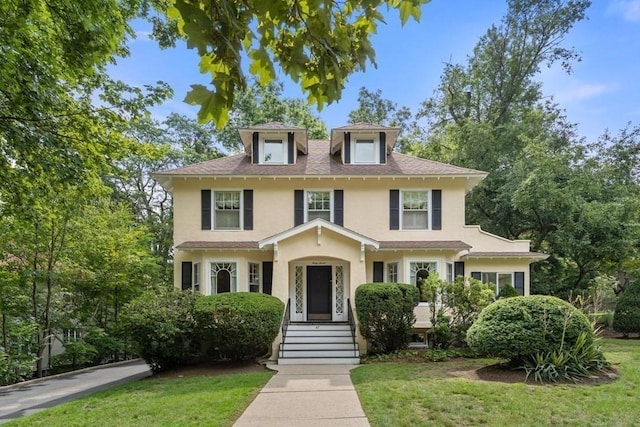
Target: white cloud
x: 629, y: 9
x: 143, y: 35
x: 583, y: 92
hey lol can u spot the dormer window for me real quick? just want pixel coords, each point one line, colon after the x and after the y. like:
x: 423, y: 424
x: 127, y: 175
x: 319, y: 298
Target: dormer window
x: 273, y: 151
x: 365, y: 151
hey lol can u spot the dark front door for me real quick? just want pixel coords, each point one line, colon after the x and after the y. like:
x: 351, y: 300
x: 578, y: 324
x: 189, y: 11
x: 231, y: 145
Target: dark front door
x: 319, y: 292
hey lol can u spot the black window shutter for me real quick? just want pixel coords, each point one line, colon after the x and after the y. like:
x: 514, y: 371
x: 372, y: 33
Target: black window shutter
x: 187, y: 271
x: 394, y: 209
x: 338, y: 207
x: 298, y: 207
x: 290, y: 148
x: 436, y: 209
x: 383, y: 148
x: 347, y: 147
x: 378, y: 271
x: 205, y: 209
x: 476, y: 275
x: 458, y: 269
x: 256, y: 148
x: 267, y: 277
x: 518, y: 281
x: 248, y: 209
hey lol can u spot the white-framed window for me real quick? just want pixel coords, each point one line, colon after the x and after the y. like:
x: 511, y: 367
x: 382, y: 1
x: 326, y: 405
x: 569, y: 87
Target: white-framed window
x: 224, y: 277
x: 318, y: 204
x: 392, y: 272
x: 497, y: 280
x: 274, y: 151
x: 365, y: 151
x: 195, y: 277
x: 254, y: 277
x: 69, y: 335
x: 414, y: 206
x: 449, y: 272
x: 420, y: 270
x: 227, y: 210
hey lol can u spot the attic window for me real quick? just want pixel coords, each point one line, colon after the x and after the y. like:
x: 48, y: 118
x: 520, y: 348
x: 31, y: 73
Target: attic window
x: 273, y: 151
x: 365, y: 151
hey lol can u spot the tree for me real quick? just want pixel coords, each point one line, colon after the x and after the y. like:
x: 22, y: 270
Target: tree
x: 373, y: 108
x: 317, y: 43
x: 626, y: 318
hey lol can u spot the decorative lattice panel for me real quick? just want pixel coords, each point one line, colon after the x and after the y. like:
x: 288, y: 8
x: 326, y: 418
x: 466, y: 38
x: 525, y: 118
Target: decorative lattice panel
x: 339, y: 289
x: 299, y: 289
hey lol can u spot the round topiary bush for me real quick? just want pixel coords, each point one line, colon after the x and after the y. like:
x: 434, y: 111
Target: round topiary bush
x: 626, y: 317
x: 239, y: 325
x: 385, y: 314
x: 514, y: 328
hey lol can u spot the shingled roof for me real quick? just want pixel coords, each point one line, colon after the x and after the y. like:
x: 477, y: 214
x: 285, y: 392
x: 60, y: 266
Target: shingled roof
x: 318, y: 162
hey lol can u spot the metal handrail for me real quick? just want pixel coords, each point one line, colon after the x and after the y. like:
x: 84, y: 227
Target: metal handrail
x: 286, y: 319
x: 352, y: 324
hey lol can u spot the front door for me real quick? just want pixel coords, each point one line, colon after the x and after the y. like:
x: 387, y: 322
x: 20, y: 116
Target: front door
x: 319, y: 292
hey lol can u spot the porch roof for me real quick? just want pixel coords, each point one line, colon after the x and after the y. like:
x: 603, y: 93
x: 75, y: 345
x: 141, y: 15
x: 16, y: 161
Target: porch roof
x: 424, y: 244
x: 537, y: 256
x: 319, y: 224
x: 217, y: 245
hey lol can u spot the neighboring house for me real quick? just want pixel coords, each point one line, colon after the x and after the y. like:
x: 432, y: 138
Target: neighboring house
x: 308, y: 221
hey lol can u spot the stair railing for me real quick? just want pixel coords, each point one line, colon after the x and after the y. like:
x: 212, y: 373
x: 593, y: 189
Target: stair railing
x: 352, y: 325
x: 286, y: 319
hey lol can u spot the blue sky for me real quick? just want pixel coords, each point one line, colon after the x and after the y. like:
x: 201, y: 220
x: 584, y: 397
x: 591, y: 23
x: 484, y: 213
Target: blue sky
x: 602, y: 92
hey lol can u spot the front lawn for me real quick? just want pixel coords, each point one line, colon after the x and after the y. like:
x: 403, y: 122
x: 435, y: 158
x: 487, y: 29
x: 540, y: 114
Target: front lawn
x: 437, y: 394
x: 197, y: 401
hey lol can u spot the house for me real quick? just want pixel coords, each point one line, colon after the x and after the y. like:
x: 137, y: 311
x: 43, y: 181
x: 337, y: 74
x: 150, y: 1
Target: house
x: 308, y: 221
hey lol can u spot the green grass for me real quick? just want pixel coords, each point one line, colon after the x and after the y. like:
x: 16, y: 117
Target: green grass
x: 428, y: 394
x: 210, y: 401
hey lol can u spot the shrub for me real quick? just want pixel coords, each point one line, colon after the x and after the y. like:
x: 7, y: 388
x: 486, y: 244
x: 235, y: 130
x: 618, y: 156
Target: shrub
x: 385, y: 314
x: 108, y: 347
x: 515, y: 328
x: 508, y: 291
x: 76, y: 354
x: 454, y: 307
x: 239, y: 325
x: 626, y: 317
x: 161, y: 324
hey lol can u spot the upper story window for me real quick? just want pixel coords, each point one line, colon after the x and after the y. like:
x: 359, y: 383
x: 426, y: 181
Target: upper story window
x: 273, y: 151
x: 318, y: 205
x: 365, y: 151
x: 415, y: 210
x: 227, y: 208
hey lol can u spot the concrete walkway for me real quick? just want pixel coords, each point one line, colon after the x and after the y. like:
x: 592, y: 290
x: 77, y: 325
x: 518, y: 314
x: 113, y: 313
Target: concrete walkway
x: 306, y: 395
x: 32, y: 396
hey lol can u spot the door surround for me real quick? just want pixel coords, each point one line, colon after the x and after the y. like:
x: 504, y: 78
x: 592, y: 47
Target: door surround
x: 299, y: 286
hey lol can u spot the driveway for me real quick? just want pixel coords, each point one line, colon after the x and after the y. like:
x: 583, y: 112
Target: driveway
x: 32, y: 396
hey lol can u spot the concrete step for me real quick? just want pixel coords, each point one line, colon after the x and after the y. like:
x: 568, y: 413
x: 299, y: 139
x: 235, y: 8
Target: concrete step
x: 318, y: 333
x: 319, y: 361
x: 317, y: 346
x: 319, y: 339
x: 321, y: 353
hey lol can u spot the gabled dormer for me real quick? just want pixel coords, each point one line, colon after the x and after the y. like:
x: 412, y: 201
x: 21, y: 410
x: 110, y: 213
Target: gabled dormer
x: 274, y: 143
x: 363, y: 143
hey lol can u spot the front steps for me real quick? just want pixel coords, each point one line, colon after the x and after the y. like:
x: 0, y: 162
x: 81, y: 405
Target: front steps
x: 318, y: 344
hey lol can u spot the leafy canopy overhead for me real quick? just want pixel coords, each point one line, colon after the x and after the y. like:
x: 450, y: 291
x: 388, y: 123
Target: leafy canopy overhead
x: 318, y: 43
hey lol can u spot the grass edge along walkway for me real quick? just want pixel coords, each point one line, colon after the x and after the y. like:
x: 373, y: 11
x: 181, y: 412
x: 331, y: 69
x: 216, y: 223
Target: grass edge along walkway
x: 432, y: 394
x: 208, y: 400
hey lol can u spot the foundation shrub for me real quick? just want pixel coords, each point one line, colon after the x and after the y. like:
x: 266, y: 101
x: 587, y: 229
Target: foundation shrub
x: 238, y: 325
x: 385, y: 314
x: 160, y: 322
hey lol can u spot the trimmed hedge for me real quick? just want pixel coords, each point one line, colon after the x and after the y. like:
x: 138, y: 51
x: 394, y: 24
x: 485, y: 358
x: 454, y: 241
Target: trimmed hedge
x: 239, y: 325
x: 385, y: 314
x: 626, y: 318
x: 514, y: 328
x: 161, y: 324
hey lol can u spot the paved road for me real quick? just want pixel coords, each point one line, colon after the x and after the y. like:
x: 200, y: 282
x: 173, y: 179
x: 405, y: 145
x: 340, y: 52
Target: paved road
x: 33, y: 396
